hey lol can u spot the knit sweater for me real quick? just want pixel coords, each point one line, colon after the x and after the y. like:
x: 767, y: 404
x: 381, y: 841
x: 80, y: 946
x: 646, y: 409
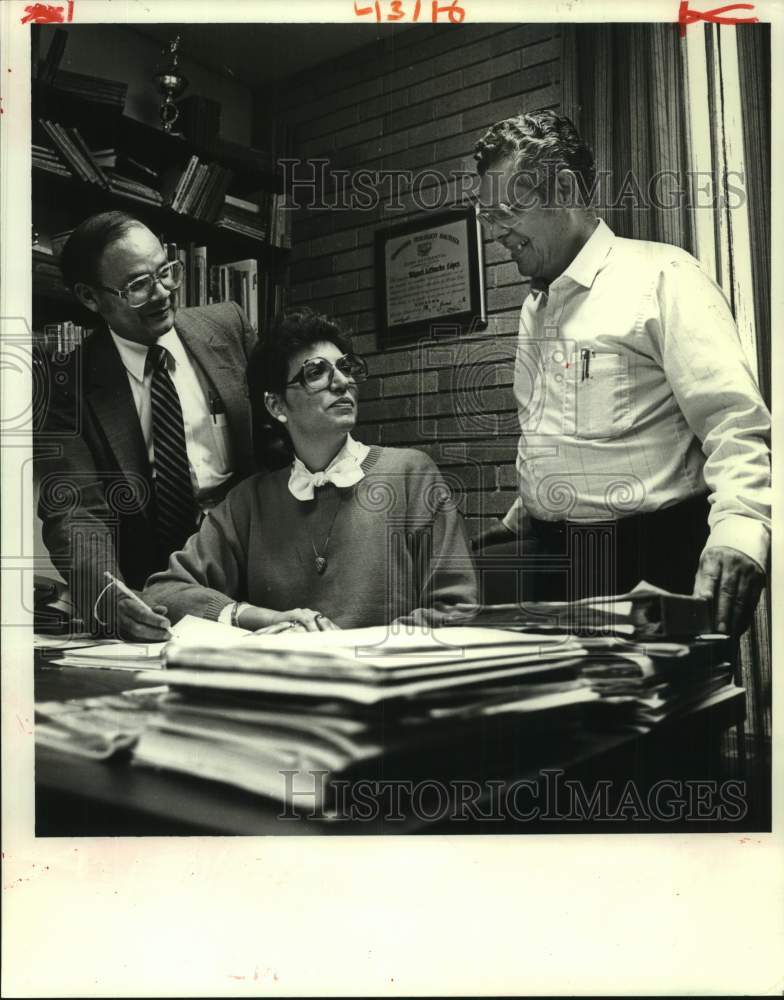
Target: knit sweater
x: 394, y: 543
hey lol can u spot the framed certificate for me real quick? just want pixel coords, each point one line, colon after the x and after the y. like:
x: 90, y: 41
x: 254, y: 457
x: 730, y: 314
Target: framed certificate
x: 430, y: 274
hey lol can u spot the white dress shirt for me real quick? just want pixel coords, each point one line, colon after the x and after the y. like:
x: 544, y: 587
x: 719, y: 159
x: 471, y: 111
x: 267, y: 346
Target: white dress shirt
x: 206, y: 436
x: 634, y: 393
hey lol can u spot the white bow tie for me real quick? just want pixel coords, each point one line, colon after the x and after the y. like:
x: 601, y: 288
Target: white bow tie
x: 303, y: 482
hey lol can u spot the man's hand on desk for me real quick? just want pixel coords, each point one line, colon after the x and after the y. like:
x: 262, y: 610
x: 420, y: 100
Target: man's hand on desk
x: 138, y: 623
x: 270, y: 622
x: 733, y: 581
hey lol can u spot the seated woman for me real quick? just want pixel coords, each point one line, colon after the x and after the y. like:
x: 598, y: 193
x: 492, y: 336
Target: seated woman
x: 346, y: 536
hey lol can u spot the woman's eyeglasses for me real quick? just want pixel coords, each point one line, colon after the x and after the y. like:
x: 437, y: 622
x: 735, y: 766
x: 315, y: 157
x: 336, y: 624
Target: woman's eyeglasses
x: 317, y: 373
x: 137, y: 293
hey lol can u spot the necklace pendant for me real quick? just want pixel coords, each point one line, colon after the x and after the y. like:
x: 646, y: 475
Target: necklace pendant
x: 321, y: 564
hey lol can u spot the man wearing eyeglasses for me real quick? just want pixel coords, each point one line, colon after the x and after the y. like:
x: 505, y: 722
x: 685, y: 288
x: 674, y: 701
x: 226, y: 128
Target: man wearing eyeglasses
x: 644, y: 448
x: 147, y: 425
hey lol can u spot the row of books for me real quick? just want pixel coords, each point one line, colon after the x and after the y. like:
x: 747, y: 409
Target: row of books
x: 91, y: 88
x: 61, y: 338
x: 265, y: 219
x: 73, y: 151
x: 204, y: 283
x: 45, y: 158
x: 71, y: 156
x: 198, y: 190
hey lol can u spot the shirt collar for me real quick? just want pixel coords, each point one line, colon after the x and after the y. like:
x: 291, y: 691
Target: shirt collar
x: 343, y: 470
x: 134, y: 356
x: 588, y: 262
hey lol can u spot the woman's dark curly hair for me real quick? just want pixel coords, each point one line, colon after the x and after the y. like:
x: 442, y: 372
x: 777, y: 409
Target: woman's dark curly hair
x: 268, y: 371
x: 540, y: 142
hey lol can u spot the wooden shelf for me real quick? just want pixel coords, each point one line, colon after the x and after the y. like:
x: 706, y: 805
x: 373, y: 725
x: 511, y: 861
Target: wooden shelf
x: 106, y: 126
x: 224, y: 244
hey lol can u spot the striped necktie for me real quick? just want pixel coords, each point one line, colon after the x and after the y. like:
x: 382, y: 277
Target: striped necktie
x: 173, y: 489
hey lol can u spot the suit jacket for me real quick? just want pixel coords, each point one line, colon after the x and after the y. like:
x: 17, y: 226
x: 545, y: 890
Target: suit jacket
x: 96, y: 498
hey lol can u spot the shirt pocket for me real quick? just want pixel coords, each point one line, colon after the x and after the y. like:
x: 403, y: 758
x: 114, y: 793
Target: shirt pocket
x: 602, y: 394
x: 219, y: 425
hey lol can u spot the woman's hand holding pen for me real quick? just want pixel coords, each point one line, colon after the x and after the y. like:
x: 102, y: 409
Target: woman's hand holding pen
x: 135, y: 620
x: 138, y: 623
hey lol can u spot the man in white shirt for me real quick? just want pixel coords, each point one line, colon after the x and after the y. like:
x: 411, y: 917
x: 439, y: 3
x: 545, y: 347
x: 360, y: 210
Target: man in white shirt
x: 145, y: 427
x: 644, y: 439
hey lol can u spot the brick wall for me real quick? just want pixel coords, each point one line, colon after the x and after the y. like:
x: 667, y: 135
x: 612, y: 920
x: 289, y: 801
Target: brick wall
x: 419, y: 100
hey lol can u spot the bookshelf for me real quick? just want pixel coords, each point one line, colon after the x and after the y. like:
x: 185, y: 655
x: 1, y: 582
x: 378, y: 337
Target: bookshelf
x: 88, y: 157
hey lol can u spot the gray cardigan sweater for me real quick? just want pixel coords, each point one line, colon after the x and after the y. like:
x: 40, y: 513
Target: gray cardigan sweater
x: 397, y: 548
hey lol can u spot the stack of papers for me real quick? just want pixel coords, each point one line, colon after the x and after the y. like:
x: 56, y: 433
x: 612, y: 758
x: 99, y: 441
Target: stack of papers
x: 645, y: 612
x: 97, y: 728
x: 263, y: 713
x: 112, y: 654
x: 642, y: 685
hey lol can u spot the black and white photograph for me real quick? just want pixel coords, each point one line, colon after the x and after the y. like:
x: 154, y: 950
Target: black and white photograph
x: 387, y: 472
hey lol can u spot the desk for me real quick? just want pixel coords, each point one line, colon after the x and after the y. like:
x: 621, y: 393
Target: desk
x: 78, y: 797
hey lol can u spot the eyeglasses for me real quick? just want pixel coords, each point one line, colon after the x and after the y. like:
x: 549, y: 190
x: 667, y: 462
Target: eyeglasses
x: 502, y: 218
x: 497, y: 220
x: 137, y: 293
x: 316, y: 374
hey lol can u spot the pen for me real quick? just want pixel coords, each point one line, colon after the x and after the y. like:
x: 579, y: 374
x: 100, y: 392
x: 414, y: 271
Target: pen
x: 585, y: 356
x: 125, y: 590
x: 216, y: 407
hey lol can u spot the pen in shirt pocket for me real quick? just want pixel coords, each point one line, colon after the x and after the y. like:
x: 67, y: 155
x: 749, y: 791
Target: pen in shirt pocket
x: 217, y: 409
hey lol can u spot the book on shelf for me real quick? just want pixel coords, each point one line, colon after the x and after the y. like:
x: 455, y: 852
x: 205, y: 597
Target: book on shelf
x: 199, y: 118
x: 231, y: 201
x: 127, y: 166
x: 280, y: 222
x: 133, y: 189
x: 74, y: 151
x: 90, y: 88
x: 257, y: 216
x: 197, y: 190
x: 45, y: 158
x: 200, y: 276
x: 248, y: 288
x: 238, y: 281
x: 50, y: 64
x: 98, y: 176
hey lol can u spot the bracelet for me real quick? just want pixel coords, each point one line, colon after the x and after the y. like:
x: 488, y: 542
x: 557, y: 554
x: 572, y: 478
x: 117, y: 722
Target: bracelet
x: 235, y: 614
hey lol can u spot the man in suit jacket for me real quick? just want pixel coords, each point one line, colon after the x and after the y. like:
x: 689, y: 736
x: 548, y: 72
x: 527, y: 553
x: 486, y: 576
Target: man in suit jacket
x: 102, y: 488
